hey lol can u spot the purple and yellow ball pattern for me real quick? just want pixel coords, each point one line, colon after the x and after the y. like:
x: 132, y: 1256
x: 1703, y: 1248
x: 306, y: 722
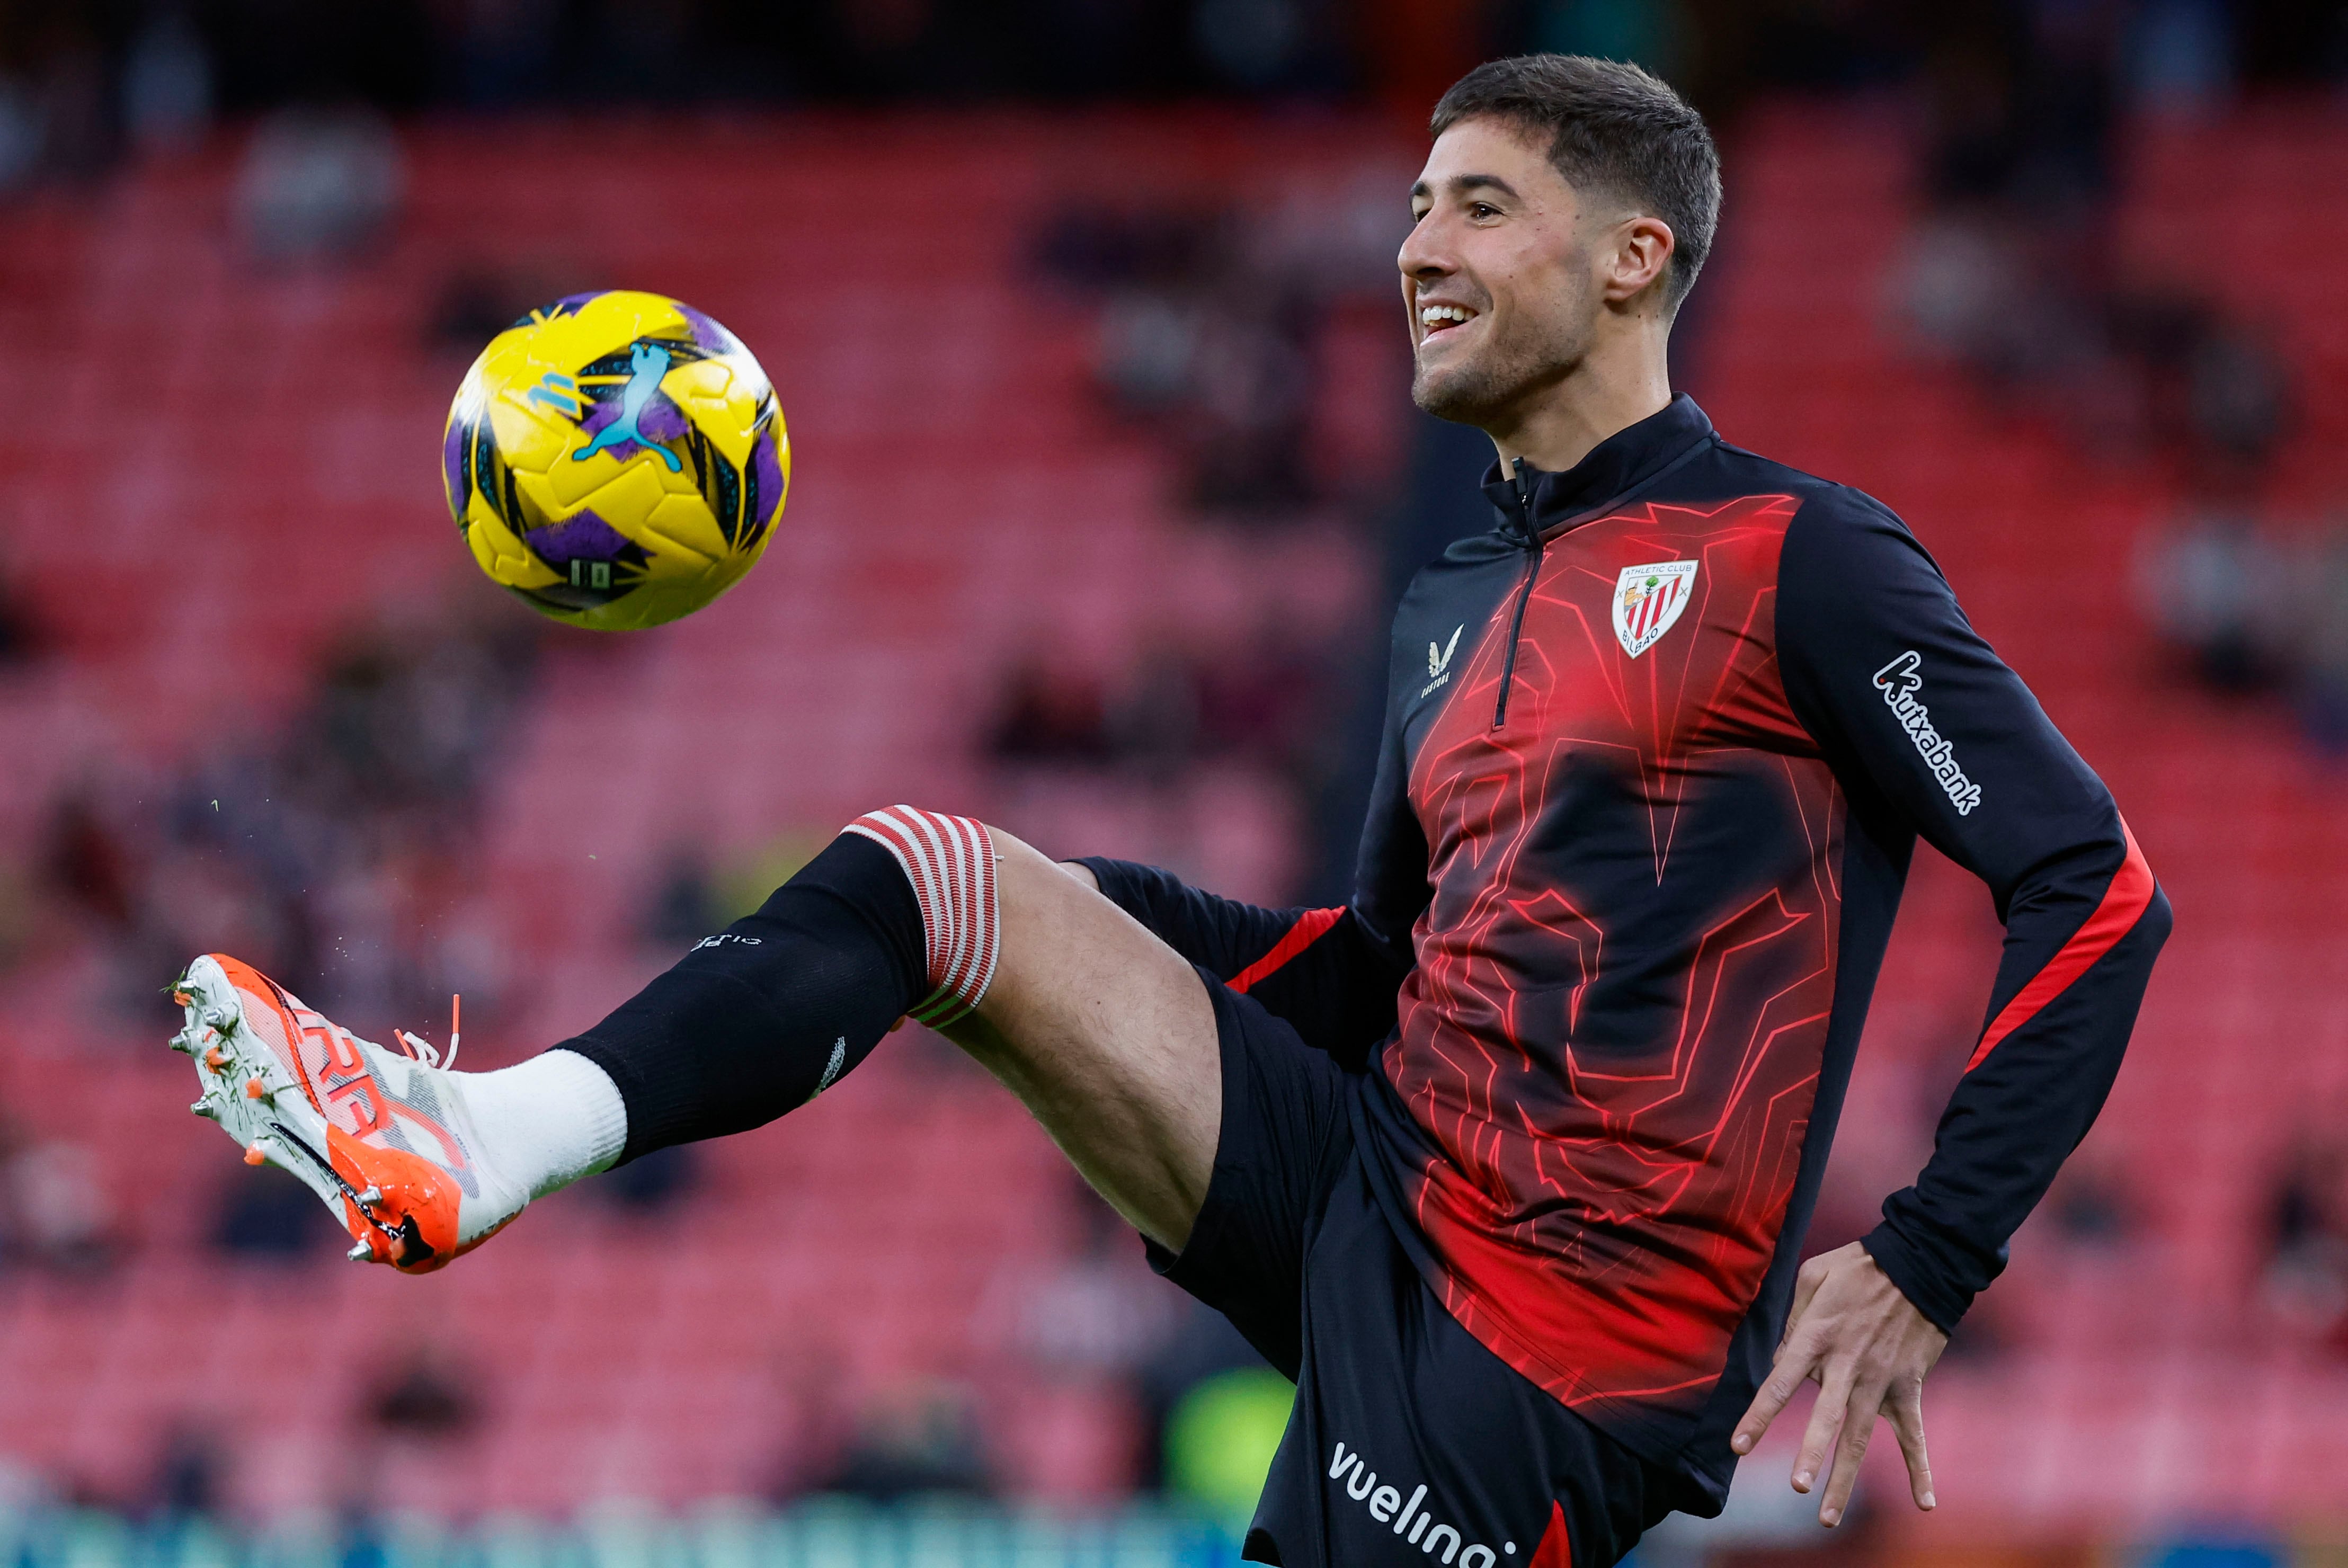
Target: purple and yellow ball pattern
x: 616, y: 459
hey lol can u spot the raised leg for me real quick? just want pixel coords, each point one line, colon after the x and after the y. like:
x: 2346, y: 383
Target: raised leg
x: 1108, y: 1039
x: 1101, y: 1028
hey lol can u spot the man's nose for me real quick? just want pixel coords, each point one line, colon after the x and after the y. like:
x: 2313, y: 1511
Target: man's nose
x: 1423, y: 257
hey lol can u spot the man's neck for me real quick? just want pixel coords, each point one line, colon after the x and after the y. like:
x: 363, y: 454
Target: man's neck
x: 1612, y: 388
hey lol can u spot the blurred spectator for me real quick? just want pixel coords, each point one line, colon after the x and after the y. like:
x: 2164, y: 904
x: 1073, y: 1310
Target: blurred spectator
x: 337, y: 855
x: 2254, y: 615
x: 1051, y: 712
x: 1153, y: 725
x: 268, y: 1215
x: 1219, y: 356
x: 2241, y: 399
x: 2216, y: 589
x: 1211, y: 324
x: 685, y: 907
x: 505, y: 51
x: 24, y: 133
x: 1262, y: 697
x: 424, y: 1398
x: 2180, y: 56
x: 54, y: 1212
x: 1956, y: 285
x: 72, y: 95
x: 2019, y: 106
x: 2091, y: 1204
x: 1252, y: 385
x: 2306, y: 1275
x: 20, y: 637
x: 2323, y: 645
x: 1266, y: 699
x: 20, y: 907
x: 478, y: 301
x: 318, y: 183
x: 187, y: 1483
x: 2009, y: 270
x: 87, y: 859
x: 914, y: 1438
x: 1095, y: 1312
x: 167, y: 84
x: 650, y: 1184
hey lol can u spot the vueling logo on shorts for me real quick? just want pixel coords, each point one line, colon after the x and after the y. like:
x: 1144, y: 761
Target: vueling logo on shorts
x: 1440, y: 1541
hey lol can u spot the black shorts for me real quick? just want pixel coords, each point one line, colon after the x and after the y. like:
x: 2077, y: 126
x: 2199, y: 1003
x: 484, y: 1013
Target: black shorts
x: 1410, y: 1443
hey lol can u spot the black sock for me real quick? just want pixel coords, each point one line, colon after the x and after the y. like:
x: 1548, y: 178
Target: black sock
x: 758, y: 1019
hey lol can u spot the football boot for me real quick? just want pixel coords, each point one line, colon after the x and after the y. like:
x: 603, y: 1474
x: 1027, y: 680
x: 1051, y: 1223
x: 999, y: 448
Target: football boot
x: 382, y: 1136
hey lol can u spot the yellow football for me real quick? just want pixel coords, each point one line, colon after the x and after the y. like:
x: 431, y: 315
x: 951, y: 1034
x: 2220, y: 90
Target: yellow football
x: 616, y: 459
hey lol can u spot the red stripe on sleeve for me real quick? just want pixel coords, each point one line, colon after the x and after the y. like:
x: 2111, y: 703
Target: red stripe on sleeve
x: 1307, y: 930
x: 2123, y: 902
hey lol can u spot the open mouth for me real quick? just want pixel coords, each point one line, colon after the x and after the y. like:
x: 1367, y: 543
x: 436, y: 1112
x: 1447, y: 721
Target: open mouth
x: 1435, y: 319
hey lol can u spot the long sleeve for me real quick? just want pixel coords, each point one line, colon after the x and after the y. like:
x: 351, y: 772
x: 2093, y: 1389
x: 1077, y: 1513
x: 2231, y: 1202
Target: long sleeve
x: 1926, y: 726
x: 1317, y: 968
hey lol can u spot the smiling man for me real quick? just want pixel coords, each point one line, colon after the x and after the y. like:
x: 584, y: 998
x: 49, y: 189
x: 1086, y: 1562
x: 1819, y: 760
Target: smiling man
x: 1509, y: 1161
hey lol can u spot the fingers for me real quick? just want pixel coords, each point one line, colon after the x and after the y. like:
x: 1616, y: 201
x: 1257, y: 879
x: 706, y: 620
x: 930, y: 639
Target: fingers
x: 1806, y: 1281
x: 1786, y: 1374
x: 1857, y: 1430
x: 1834, y: 1399
x: 1905, y: 1405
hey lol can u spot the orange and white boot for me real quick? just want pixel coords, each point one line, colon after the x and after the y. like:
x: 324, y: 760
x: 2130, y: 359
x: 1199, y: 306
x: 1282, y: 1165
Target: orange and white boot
x: 383, y: 1136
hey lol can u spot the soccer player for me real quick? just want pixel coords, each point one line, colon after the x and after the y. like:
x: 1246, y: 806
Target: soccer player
x: 1507, y: 1163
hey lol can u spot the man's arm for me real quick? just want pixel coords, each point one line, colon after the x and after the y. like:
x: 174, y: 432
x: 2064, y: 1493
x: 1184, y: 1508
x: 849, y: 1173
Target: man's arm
x: 1927, y: 728
x: 1320, y: 969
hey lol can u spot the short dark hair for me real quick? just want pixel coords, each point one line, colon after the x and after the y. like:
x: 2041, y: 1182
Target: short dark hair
x: 1612, y: 127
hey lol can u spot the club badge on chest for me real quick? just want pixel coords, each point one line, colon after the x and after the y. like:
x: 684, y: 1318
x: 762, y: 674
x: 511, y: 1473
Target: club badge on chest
x: 1648, y: 601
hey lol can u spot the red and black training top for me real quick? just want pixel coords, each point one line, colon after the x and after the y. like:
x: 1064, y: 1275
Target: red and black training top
x: 1657, y: 751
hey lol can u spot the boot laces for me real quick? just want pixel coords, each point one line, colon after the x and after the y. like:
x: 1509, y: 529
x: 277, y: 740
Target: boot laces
x: 420, y: 1049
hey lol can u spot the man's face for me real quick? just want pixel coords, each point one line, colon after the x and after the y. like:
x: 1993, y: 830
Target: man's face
x: 1497, y: 275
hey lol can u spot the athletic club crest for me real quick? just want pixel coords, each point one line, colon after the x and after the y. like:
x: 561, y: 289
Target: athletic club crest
x: 1648, y: 599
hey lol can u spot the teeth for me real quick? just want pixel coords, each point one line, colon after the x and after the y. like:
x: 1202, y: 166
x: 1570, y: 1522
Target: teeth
x: 1435, y: 313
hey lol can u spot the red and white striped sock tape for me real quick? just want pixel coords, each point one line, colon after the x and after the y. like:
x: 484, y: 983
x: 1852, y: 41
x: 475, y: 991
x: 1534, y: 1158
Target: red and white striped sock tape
x: 950, y: 861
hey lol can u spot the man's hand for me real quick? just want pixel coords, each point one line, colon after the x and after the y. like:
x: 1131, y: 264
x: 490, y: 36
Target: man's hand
x: 1868, y: 1348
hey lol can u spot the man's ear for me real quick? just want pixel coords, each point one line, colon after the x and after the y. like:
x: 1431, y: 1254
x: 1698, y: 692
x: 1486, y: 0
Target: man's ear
x: 1642, y: 250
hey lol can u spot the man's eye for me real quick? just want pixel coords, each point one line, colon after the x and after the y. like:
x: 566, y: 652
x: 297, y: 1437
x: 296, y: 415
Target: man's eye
x: 1483, y: 210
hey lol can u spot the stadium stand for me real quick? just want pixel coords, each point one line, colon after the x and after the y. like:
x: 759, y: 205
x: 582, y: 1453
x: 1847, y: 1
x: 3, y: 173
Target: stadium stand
x: 2133, y: 1365
x: 218, y: 470
x: 263, y: 481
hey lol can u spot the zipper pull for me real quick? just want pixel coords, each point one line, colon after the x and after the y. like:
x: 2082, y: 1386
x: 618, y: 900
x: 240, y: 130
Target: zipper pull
x: 1524, y: 593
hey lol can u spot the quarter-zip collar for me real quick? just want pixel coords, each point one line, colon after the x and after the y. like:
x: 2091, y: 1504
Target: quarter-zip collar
x: 1616, y: 469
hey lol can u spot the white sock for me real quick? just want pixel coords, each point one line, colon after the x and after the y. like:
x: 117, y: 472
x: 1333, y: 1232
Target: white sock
x: 547, y: 1122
